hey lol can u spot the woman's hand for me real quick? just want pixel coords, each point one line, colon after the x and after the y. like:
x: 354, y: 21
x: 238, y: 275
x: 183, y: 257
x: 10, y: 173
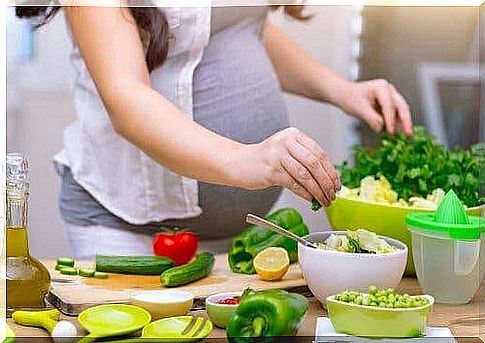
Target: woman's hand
x: 292, y: 160
x: 378, y: 103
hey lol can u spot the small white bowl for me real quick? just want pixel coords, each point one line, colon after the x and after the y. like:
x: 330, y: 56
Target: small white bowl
x: 163, y: 303
x: 329, y: 272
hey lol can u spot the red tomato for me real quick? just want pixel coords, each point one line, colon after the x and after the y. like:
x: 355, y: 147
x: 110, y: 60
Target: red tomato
x: 180, y: 247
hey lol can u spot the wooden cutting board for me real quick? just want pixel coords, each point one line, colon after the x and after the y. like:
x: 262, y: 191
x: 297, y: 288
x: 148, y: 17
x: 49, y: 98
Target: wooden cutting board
x: 72, y: 294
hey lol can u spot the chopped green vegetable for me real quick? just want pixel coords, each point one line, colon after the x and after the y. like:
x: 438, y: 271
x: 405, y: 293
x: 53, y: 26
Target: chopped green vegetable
x: 59, y: 267
x: 100, y: 275
x: 316, y: 205
x: 415, y: 167
x: 68, y: 271
x: 87, y: 272
x: 385, y: 298
x: 65, y: 261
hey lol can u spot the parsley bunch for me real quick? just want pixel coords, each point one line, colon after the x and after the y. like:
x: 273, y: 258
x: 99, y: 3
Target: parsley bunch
x: 417, y: 166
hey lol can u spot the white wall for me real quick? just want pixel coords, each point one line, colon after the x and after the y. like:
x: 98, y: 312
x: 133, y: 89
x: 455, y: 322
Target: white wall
x: 43, y: 108
x: 329, y: 38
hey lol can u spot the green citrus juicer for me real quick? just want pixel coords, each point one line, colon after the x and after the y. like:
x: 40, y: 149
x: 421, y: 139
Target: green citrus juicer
x: 448, y: 247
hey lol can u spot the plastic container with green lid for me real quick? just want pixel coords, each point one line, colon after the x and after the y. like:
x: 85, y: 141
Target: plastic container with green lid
x: 448, y: 248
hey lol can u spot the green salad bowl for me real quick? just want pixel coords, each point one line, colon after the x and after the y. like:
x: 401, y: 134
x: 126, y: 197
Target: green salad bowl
x: 384, y: 220
x: 377, y: 322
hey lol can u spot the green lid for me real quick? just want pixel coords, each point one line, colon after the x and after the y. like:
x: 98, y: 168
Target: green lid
x: 450, y: 217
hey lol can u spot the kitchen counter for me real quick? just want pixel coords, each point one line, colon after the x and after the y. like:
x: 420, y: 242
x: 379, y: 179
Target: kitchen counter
x: 464, y: 321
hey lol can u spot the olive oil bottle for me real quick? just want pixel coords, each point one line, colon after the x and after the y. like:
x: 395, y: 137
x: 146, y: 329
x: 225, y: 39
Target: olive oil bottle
x: 28, y: 281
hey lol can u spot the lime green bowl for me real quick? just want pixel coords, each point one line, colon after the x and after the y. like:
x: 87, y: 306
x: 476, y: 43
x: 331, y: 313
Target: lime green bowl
x: 376, y: 322
x: 221, y: 314
x: 385, y: 220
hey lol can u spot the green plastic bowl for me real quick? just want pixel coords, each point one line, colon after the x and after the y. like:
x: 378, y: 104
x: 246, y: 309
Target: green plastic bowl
x: 376, y: 322
x: 221, y: 314
x: 384, y: 220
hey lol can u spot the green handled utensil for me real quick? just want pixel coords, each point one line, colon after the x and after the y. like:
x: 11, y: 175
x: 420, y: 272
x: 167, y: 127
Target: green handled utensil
x: 175, y: 329
x: 112, y: 320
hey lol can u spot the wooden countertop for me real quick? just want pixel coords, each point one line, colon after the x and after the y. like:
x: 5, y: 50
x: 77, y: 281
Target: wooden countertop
x: 464, y: 320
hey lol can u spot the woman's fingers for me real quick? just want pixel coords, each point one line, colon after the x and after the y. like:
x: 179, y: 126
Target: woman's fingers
x: 314, y: 165
x: 403, y: 111
x: 373, y: 118
x: 301, y: 175
x: 385, y: 102
x: 287, y: 181
x: 318, y: 155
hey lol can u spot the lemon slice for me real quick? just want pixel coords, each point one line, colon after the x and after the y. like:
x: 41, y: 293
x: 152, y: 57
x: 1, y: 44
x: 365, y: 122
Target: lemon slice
x: 272, y: 263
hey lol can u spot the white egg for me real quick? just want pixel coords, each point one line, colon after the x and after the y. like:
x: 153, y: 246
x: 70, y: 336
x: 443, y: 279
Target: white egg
x: 64, y: 332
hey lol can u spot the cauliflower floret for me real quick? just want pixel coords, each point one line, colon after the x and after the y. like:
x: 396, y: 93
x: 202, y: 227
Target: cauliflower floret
x: 422, y: 203
x: 377, y: 190
x: 436, y: 196
x: 346, y: 192
x: 333, y: 241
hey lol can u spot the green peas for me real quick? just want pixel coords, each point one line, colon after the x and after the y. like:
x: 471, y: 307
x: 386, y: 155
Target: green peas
x: 373, y: 289
x: 387, y: 298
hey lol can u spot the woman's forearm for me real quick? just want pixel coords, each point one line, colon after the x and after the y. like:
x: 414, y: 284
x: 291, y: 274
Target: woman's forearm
x: 298, y: 72
x: 170, y: 137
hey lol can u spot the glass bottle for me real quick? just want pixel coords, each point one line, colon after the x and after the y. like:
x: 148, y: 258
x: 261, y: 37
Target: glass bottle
x: 28, y: 281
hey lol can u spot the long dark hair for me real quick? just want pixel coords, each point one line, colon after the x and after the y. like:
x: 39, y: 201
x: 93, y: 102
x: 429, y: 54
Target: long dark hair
x: 151, y: 22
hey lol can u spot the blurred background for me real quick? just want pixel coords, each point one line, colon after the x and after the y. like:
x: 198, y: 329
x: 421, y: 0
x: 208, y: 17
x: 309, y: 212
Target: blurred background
x: 430, y: 54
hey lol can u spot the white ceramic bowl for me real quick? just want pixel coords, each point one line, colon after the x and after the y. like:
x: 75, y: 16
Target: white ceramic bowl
x: 163, y: 303
x: 330, y: 272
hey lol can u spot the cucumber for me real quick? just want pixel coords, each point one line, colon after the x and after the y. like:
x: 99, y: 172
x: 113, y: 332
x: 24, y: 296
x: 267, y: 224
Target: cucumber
x: 190, y: 272
x: 65, y: 261
x: 100, y: 275
x: 86, y: 272
x: 68, y: 271
x: 60, y: 266
x: 142, y: 265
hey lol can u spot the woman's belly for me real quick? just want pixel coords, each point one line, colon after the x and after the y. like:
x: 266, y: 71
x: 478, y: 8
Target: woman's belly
x: 236, y: 92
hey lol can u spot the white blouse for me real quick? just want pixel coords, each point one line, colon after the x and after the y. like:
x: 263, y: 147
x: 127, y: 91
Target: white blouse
x: 129, y: 183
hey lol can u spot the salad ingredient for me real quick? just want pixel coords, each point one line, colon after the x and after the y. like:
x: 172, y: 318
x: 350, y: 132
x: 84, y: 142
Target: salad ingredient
x: 385, y: 298
x: 87, y: 272
x: 100, y: 275
x: 272, y: 263
x: 417, y: 166
x: 190, y: 272
x: 65, y: 261
x: 249, y: 243
x: 316, y: 205
x: 267, y: 313
x: 360, y: 241
x: 229, y: 301
x: 179, y: 246
x: 379, y: 190
x: 143, y: 265
x: 68, y: 271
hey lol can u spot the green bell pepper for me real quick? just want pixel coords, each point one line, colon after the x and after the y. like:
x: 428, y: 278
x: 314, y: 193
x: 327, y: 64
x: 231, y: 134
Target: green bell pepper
x: 249, y: 243
x: 268, y: 313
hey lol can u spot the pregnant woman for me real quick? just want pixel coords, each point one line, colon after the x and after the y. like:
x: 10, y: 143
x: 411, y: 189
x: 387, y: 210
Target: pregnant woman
x: 180, y: 121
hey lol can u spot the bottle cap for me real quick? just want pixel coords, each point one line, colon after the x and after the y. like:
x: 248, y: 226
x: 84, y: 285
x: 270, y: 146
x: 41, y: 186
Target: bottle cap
x: 17, y: 168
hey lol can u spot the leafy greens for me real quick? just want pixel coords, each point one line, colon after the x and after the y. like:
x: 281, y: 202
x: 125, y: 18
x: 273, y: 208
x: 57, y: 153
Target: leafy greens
x: 417, y: 166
